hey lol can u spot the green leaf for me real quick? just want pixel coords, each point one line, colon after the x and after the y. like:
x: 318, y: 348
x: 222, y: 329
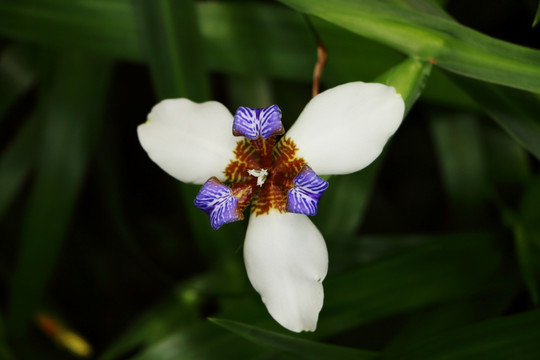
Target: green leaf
x: 439, y: 271
x: 462, y: 312
x: 5, y: 352
x: 70, y: 124
x: 409, y: 79
x: 16, y: 75
x: 177, y: 311
x: 431, y: 38
x: 537, y: 16
x: 529, y: 259
x: 512, y: 337
x: 106, y: 26
x: 515, y: 111
x: 176, y: 61
x: 527, y: 237
x: 303, y: 349
x: 16, y: 163
x: 243, y: 38
x: 201, y: 341
x: 458, y: 144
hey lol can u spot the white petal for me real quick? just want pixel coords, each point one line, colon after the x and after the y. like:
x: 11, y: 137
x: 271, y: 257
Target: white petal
x: 190, y: 141
x: 343, y: 129
x: 286, y: 262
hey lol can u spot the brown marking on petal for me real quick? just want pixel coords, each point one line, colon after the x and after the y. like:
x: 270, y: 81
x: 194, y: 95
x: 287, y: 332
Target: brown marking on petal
x: 245, y: 158
x: 264, y: 148
x: 244, y: 192
x: 286, y: 161
x: 286, y: 165
x: 270, y: 197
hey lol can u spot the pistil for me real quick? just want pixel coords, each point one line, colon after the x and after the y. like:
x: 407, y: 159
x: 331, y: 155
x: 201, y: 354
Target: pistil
x: 261, y: 175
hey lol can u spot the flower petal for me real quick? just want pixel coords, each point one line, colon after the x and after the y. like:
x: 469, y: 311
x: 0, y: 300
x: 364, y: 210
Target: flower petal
x: 286, y: 262
x: 217, y: 200
x: 255, y: 123
x: 190, y: 141
x: 344, y: 129
x: 308, y: 188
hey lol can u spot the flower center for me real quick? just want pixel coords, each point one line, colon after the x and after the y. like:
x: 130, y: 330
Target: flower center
x: 261, y: 175
x: 265, y: 171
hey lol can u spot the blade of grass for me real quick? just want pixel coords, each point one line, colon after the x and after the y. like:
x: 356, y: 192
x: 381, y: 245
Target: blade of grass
x: 512, y: 337
x: 537, y: 16
x: 303, y: 349
x: 106, y: 26
x: 176, y: 62
x: 527, y: 237
x: 243, y: 38
x: 16, y: 75
x: 70, y: 125
x: 174, y: 313
x: 5, y: 352
x: 16, y: 162
x: 427, y: 37
x: 441, y: 269
x: 444, y: 268
x: 457, y: 140
x: 453, y: 315
x: 202, y: 341
x: 515, y: 111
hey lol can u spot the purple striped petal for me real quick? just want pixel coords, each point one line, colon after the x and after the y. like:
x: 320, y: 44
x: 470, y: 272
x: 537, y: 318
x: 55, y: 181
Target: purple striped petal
x: 254, y: 123
x: 218, y: 201
x: 308, y: 188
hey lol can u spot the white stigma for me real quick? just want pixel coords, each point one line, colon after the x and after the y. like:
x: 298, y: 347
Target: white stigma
x: 261, y: 175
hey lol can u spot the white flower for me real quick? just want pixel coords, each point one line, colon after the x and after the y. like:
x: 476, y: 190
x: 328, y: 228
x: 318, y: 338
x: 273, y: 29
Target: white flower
x: 340, y: 131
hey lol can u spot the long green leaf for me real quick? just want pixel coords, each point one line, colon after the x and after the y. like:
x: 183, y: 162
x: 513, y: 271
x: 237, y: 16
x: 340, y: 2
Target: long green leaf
x: 174, y: 313
x: 537, y: 16
x: 16, y: 162
x: 176, y: 61
x: 431, y: 38
x: 409, y: 78
x: 16, y: 75
x: 513, y: 337
x: 515, y: 111
x: 440, y: 270
x: 5, y: 352
x: 243, y: 38
x: 303, y: 349
x: 70, y: 126
x: 460, y: 154
x: 527, y: 238
x: 437, y: 272
x: 201, y: 341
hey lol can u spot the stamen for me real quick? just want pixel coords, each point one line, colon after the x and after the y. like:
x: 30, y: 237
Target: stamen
x: 261, y: 175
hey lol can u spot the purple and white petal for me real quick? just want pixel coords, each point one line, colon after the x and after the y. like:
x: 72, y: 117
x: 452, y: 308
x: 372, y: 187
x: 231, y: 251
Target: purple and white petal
x: 308, y: 188
x: 343, y: 129
x: 190, y: 141
x: 254, y: 123
x: 218, y: 201
x: 286, y: 261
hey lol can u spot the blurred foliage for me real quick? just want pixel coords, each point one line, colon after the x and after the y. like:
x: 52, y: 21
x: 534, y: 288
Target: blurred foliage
x: 434, y: 249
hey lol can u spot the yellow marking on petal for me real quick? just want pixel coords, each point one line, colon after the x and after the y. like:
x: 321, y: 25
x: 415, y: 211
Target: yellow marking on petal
x: 245, y: 158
